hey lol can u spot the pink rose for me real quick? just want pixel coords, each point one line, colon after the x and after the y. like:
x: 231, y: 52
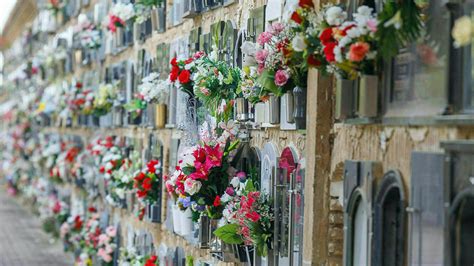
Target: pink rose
x: 277, y: 27
x: 264, y: 38
x: 261, y: 56
x: 204, y: 90
x: 281, y: 77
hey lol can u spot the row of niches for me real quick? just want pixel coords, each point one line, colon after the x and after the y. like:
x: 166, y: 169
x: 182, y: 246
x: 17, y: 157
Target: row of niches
x: 97, y: 190
x: 430, y: 225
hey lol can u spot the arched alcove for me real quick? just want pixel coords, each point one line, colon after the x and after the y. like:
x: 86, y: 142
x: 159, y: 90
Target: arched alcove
x: 461, y: 217
x: 389, y: 221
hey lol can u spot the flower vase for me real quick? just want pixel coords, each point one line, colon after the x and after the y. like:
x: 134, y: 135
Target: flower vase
x: 160, y: 115
x: 154, y: 214
x: 176, y: 219
x: 273, y: 109
x: 150, y: 115
x: 130, y: 200
x: 368, y: 96
x: 241, y: 109
x: 186, y: 222
x: 345, y: 98
x: 299, y: 105
x: 287, y: 103
x: 119, y: 37
x: 136, y: 32
x: 243, y: 253
x: 204, y: 233
x: 260, y: 113
x: 161, y: 18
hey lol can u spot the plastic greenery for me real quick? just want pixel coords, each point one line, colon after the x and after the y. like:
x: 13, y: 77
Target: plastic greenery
x: 401, y: 24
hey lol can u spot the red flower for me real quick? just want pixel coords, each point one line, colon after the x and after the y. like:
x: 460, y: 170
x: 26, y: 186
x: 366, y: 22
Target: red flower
x: 326, y: 36
x: 358, y: 51
x: 141, y: 194
x: 313, y: 61
x: 151, y: 261
x: 217, y: 201
x: 253, y: 216
x: 214, y: 156
x: 306, y: 3
x: 174, y: 62
x: 141, y: 214
x: 329, y: 51
x: 189, y: 60
x: 200, y: 155
x: 174, y: 73
x: 151, y: 165
x: 296, y: 17
x: 201, y: 171
x: 140, y: 177
x: 147, y: 184
x: 78, y: 85
x: 102, y: 169
x: 184, y: 77
x: 92, y: 209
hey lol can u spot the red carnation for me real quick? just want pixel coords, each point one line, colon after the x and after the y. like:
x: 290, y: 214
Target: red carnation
x: 174, y: 73
x: 147, y: 184
x: 329, y: 51
x: 174, y: 62
x: 326, y: 36
x: 151, y: 261
x: 306, y: 3
x: 217, y: 201
x: 184, y: 77
x: 296, y: 17
x: 189, y: 60
x: 92, y: 209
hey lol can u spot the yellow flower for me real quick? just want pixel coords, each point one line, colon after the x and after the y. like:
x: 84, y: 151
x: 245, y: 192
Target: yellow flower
x: 395, y: 21
x: 41, y: 107
x: 462, y: 31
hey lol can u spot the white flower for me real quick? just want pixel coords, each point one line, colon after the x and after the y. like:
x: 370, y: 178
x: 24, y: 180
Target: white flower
x: 462, y: 31
x: 364, y: 11
x: 298, y: 43
x: 395, y: 21
x: 226, y: 198
x: 120, y: 192
x: 123, y: 11
x: 235, y: 182
x: 335, y: 16
x: 344, y: 41
x: 192, y: 186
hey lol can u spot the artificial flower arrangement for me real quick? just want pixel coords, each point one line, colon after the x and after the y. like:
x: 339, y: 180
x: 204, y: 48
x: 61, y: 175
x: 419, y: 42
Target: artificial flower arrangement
x: 118, y: 16
x: 216, y: 85
x: 265, y: 64
x: 147, y: 182
x: 122, y: 179
x: 69, y: 232
x: 88, y: 33
x: 104, y: 99
x: 201, y: 179
x: 349, y: 47
x: 106, y: 246
x: 305, y: 48
x: 248, y: 215
x: 143, y: 8
x: 152, y: 90
x: 182, y: 71
x: 88, y: 239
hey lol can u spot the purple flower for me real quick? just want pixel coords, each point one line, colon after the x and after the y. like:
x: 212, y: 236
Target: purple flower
x: 264, y: 38
x: 261, y: 56
x: 281, y: 77
x: 186, y: 202
x: 230, y: 191
x: 241, y: 175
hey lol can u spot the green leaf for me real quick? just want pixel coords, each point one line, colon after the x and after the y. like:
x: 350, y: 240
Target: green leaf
x: 267, y: 80
x: 228, y: 234
x: 187, y: 170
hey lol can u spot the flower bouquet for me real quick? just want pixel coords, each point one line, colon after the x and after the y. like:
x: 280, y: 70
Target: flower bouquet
x: 151, y: 91
x: 69, y: 232
x: 147, y: 182
x: 350, y: 46
x: 118, y: 16
x: 268, y: 56
x: 201, y: 179
x: 88, y: 33
x: 104, y: 99
x: 181, y: 73
x: 106, y: 246
x: 248, y: 215
x: 122, y: 179
x: 216, y: 85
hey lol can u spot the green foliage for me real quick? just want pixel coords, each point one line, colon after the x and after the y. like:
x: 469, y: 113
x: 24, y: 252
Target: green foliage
x: 229, y: 234
x: 150, y: 3
x: 135, y: 107
x: 408, y: 16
